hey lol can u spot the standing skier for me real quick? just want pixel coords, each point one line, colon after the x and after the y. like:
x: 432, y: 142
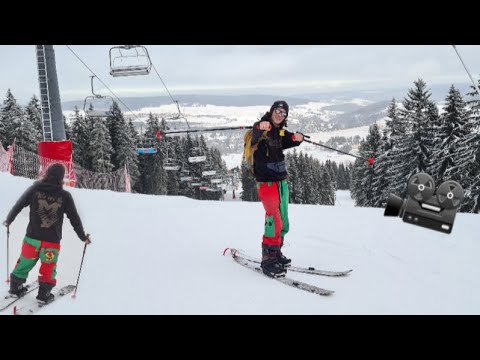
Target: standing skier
x: 270, y: 139
x: 48, y: 203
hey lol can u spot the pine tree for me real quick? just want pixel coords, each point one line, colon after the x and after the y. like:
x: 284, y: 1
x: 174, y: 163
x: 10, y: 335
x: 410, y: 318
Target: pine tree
x: 68, y: 128
x: 341, y: 177
x: 363, y: 185
x: 394, y: 127
x: 327, y: 188
x: 26, y: 135
x: 448, y: 152
x: 100, y: 148
x: 301, y: 166
x: 413, y: 143
x: 34, y: 113
x: 80, y: 138
x: 123, y: 144
x: 471, y: 164
x: 390, y: 163
x: 153, y: 177
x: 293, y: 176
x: 422, y: 114
x: 315, y: 179
x: 249, y: 189
x: 12, y: 118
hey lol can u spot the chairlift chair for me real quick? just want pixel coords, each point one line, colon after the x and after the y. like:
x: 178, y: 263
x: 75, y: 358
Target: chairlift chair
x: 98, y: 105
x: 146, y: 150
x: 214, y: 189
x: 171, y: 165
x: 129, y: 60
x: 209, y: 172
x: 146, y: 146
x: 196, y: 155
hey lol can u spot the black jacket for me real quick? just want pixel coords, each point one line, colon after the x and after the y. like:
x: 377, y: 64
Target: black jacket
x: 269, y: 160
x: 48, y: 203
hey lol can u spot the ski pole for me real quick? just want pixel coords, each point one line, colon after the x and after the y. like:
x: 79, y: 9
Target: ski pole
x: 78, y: 279
x: 370, y: 160
x: 8, y: 240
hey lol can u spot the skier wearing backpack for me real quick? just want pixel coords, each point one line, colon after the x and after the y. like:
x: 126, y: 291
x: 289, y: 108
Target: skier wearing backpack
x: 269, y: 139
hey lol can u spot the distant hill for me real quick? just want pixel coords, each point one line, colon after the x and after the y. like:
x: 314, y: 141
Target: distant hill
x: 366, y: 115
x: 136, y: 103
x: 439, y: 92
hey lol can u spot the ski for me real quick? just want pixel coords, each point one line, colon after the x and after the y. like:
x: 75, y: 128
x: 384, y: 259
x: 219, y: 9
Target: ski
x: 285, y: 280
x: 33, y: 307
x: 306, y: 270
x: 9, y: 299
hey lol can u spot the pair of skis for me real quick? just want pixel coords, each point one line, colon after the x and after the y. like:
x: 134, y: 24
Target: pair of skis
x: 33, y: 305
x: 254, y: 264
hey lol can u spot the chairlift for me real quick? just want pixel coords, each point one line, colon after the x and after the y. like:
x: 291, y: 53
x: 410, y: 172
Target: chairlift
x: 171, y: 165
x: 213, y: 189
x: 179, y: 114
x: 129, y: 60
x: 209, y: 172
x: 196, y: 155
x: 98, y: 105
x: 146, y: 150
x: 186, y: 178
x: 146, y: 146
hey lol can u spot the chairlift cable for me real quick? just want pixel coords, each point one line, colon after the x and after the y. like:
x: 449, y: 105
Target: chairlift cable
x: 468, y: 72
x: 171, y: 97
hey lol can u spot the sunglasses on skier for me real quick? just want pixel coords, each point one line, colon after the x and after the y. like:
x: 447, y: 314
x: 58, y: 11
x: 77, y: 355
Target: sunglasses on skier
x: 280, y: 112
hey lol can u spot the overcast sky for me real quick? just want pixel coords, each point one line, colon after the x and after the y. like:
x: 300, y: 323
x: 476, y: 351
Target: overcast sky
x: 255, y: 69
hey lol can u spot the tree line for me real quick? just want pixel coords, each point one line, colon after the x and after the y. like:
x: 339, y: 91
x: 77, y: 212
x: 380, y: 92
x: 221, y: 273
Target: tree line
x: 103, y: 145
x: 417, y: 137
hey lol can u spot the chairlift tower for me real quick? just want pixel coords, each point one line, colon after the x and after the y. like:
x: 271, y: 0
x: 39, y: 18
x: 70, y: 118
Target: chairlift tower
x: 52, y: 117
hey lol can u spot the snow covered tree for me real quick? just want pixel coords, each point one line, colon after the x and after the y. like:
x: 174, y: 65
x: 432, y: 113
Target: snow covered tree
x: 100, y: 148
x: 293, y: 176
x: 80, y: 138
x: 421, y: 113
x: 12, y: 117
x: 124, y: 147
x: 470, y: 180
x: 249, y: 192
x: 363, y: 187
x: 413, y: 145
x: 153, y: 177
x: 34, y: 113
x: 68, y: 128
x: 448, y: 151
x: 343, y: 182
x: 327, y: 189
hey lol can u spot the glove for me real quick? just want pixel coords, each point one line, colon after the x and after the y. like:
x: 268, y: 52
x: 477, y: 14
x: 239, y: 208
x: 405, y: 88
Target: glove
x: 87, y: 239
x: 297, y: 137
x: 5, y: 223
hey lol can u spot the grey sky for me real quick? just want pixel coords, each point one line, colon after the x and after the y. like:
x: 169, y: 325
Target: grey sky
x: 259, y: 69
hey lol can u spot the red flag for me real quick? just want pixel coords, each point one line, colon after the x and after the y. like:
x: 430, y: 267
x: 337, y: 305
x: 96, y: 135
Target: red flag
x: 158, y: 134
